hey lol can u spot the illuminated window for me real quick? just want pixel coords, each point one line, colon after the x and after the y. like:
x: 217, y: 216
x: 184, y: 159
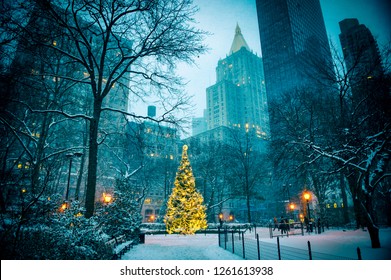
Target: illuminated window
x: 335, y: 205
x: 20, y: 165
x: 147, y: 201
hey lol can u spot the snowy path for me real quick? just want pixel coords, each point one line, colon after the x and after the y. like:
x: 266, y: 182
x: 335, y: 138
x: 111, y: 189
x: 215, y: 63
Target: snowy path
x: 342, y: 243
x: 205, y: 247
x: 179, y: 247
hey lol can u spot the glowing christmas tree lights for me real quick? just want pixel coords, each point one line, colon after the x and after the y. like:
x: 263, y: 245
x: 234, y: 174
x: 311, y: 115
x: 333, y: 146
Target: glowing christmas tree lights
x: 185, y: 210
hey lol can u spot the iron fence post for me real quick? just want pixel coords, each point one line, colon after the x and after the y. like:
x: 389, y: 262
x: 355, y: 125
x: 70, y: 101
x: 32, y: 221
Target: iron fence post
x: 259, y: 251
x: 233, y: 242
x: 359, y: 253
x: 244, y: 253
x: 309, y: 250
x: 255, y: 229
x: 218, y: 232
x: 225, y: 239
x: 278, y: 248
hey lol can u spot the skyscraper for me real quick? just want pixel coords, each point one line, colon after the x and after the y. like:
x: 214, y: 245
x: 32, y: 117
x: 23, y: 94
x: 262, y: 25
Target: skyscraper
x: 293, y: 37
x: 238, y: 99
x: 362, y: 58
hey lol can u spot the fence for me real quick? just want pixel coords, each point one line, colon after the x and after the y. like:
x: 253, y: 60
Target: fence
x: 251, y: 248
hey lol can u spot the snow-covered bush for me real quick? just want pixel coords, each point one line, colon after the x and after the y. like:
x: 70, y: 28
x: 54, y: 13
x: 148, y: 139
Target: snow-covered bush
x: 59, y: 235
x: 48, y: 228
x: 122, y: 215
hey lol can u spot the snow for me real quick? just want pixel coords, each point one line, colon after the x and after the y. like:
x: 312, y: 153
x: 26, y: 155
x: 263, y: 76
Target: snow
x: 342, y: 243
x: 180, y: 247
x: 158, y: 250
x: 338, y: 242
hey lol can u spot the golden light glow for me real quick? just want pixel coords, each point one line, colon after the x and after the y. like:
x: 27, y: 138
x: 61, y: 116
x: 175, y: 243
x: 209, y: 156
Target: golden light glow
x: 291, y: 206
x: 307, y: 196
x: 220, y: 216
x: 231, y: 217
x: 64, y: 206
x: 107, y: 197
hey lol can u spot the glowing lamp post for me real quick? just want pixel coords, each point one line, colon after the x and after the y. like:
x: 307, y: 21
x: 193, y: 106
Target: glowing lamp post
x: 64, y: 206
x: 292, y: 208
x: 107, y: 198
x: 221, y: 219
x: 307, y: 197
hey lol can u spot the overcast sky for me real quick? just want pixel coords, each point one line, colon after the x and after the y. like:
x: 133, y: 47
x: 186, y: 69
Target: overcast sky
x: 219, y: 17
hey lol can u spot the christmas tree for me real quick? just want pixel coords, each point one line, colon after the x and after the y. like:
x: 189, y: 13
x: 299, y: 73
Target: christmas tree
x: 185, y: 210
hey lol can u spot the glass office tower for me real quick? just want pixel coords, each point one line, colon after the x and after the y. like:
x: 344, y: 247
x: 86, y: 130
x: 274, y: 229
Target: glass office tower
x: 293, y: 39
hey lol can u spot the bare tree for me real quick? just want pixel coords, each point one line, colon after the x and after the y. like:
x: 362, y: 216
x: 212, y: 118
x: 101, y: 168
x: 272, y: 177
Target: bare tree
x: 120, y: 47
x: 358, y: 143
x: 248, y: 166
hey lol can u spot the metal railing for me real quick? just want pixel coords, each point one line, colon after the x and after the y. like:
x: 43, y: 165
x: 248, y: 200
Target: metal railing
x: 251, y: 248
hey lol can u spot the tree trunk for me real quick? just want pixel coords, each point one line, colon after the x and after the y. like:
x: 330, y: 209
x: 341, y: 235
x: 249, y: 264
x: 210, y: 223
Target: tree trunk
x: 345, y: 212
x: 367, y: 215
x: 248, y: 209
x: 92, y: 159
x: 248, y: 204
x: 81, y: 169
x: 374, y: 235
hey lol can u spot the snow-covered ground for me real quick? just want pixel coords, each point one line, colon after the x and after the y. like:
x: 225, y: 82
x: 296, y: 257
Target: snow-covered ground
x: 179, y: 247
x: 205, y: 247
x: 341, y: 243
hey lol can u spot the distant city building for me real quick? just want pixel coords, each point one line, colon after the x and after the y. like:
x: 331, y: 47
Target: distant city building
x: 293, y: 38
x: 155, y: 146
x: 238, y: 99
x: 362, y: 58
x: 198, y: 125
x: 152, y: 111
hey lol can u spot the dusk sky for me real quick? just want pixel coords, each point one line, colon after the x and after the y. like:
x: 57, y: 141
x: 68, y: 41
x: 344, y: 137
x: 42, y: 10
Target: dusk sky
x: 219, y: 17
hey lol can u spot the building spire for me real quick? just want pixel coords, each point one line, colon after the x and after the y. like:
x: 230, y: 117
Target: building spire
x: 239, y: 41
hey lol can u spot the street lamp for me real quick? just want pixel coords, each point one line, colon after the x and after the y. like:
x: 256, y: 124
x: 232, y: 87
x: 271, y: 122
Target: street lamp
x: 107, y: 198
x: 307, y: 197
x: 221, y: 219
x: 64, y: 206
x: 292, y: 208
x: 70, y: 156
